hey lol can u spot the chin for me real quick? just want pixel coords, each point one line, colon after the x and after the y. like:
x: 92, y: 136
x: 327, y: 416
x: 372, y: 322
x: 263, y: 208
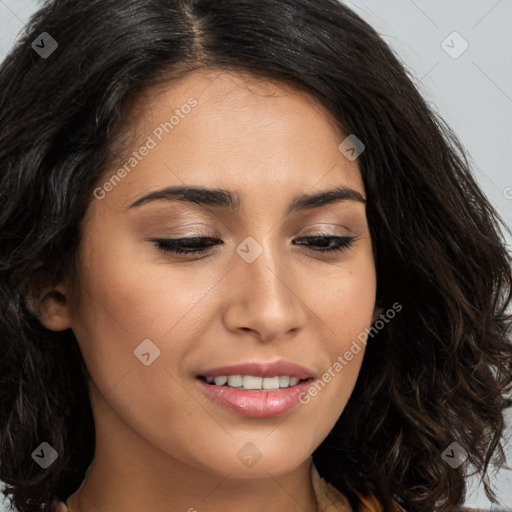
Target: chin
x: 253, y: 463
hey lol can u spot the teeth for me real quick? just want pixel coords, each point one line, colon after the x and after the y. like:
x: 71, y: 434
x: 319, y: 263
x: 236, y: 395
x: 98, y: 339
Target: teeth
x: 220, y: 381
x: 235, y: 381
x: 269, y: 382
x: 284, y: 381
x: 252, y: 382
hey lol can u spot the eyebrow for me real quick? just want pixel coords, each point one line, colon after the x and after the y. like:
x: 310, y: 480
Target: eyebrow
x: 225, y: 199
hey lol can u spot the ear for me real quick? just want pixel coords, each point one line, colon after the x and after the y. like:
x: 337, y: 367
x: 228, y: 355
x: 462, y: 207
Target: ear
x: 377, y: 312
x: 50, y: 304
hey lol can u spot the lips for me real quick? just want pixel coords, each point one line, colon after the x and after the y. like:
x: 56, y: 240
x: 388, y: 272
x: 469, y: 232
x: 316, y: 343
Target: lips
x: 255, y: 404
x: 260, y: 369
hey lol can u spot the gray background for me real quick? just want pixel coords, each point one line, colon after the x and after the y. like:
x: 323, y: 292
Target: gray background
x: 473, y: 93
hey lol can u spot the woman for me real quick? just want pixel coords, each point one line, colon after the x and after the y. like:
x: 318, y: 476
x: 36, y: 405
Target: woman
x: 243, y: 266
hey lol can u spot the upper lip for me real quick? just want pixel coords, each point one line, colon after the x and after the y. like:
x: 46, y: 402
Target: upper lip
x: 260, y: 369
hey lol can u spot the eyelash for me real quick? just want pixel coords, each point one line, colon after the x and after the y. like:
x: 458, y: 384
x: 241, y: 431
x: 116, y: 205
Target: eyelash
x: 173, y: 245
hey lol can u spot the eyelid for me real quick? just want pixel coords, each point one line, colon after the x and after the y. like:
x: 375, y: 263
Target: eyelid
x: 321, y: 230
x: 318, y: 232
x: 195, y: 233
x: 345, y: 242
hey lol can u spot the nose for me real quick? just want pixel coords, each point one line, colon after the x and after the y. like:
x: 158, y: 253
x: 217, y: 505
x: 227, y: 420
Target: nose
x: 267, y: 297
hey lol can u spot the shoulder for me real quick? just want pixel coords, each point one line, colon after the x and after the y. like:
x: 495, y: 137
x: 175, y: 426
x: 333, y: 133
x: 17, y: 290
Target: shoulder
x: 328, y: 497
x: 331, y: 500
x: 371, y: 504
x: 464, y: 509
x: 59, y: 506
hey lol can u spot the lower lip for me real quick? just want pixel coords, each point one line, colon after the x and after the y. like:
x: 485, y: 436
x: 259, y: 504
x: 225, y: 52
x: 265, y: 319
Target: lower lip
x: 256, y: 403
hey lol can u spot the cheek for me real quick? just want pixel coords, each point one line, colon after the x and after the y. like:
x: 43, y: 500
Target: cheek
x: 123, y: 302
x: 128, y: 299
x: 346, y: 301
x: 346, y: 306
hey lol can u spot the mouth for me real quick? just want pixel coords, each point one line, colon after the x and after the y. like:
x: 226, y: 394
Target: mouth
x: 254, y: 383
x: 253, y: 401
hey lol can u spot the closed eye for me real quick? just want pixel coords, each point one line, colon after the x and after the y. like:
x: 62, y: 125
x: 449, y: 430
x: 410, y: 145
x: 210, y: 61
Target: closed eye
x: 198, y: 246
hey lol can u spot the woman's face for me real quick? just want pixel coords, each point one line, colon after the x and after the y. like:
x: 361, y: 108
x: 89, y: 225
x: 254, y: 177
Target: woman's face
x: 149, y: 321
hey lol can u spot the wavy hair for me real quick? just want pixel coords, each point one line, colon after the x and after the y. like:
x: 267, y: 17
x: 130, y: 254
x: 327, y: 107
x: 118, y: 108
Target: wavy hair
x: 438, y: 373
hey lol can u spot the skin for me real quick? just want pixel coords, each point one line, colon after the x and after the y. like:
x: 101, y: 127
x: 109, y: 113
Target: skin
x: 161, y: 444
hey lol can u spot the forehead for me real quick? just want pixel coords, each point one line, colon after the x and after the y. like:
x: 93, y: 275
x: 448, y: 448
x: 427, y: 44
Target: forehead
x: 221, y: 90
x: 232, y: 131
